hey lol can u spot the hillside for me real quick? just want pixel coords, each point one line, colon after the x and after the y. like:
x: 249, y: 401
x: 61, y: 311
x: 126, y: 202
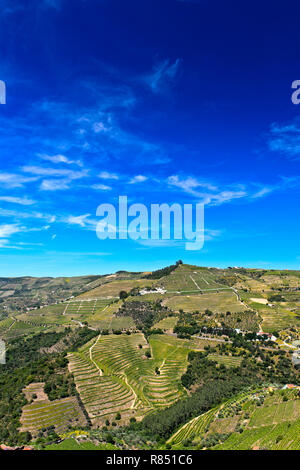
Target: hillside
x: 138, y: 354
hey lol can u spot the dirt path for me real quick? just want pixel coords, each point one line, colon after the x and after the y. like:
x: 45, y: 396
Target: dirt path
x: 239, y: 298
x: 134, y: 394
x: 91, y: 358
x: 91, y: 349
x: 203, y: 279
x: 64, y: 312
x: 79, y: 323
x: 12, y: 324
x: 195, y: 282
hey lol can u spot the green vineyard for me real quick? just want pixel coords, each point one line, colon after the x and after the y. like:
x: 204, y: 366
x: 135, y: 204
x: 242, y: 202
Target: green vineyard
x: 114, y: 373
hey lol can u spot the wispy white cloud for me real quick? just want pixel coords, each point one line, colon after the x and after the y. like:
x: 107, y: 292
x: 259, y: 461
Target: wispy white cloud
x: 9, y: 7
x: 138, y: 179
x: 101, y: 127
x: 12, y: 180
x: 42, y: 171
x: 205, y: 191
x: 108, y: 176
x: 262, y: 192
x: 59, y: 159
x: 224, y: 196
x: 285, y: 139
x: 24, y: 201
x: 163, y: 75
x: 6, y: 230
x: 211, y: 194
x: 55, y: 185
x: 209, y: 235
x: 190, y: 184
x: 38, y: 229
x: 49, y: 218
x: 78, y: 220
x: 4, y: 243
x: 102, y: 187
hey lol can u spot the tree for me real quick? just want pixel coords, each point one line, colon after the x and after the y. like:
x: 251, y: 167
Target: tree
x: 123, y: 294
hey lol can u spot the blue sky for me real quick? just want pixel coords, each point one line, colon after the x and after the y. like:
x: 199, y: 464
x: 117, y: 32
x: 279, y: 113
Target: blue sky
x: 171, y: 101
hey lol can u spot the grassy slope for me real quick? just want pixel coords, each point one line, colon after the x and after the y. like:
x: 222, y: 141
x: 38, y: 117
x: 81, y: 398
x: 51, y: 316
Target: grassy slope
x: 274, y: 425
x: 129, y: 382
x: 72, y: 444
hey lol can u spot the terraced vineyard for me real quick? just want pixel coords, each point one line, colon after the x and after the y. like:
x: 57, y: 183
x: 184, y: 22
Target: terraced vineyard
x: 220, y: 301
x: 5, y: 325
x: 200, y: 425
x: 85, y: 307
x: 188, y: 278
x: 105, y: 318
x: 284, y: 436
x: 113, y: 374
x: 195, y: 427
x: 59, y: 413
x: 20, y: 328
x: 103, y: 396
x: 275, y: 425
x: 275, y: 414
x: 112, y: 289
x: 119, y: 374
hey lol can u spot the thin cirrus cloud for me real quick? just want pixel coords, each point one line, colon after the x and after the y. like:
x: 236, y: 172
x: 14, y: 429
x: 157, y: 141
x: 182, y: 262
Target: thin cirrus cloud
x: 6, y: 230
x: 9, y: 7
x: 163, y: 75
x: 16, y: 215
x: 60, y: 159
x: 24, y: 201
x: 41, y: 171
x: 285, y: 139
x: 101, y: 187
x: 55, y: 185
x: 284, y: 183
x: 190, y: 184
x: 63, y: 183
x: 138, y: 179
x: 262, y: 192
x: 208, y: 194
x: 97, y: 130
x: 81, y: 220
x: 108, y: 176
x: 212, y: 195
x: 12, y: 180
